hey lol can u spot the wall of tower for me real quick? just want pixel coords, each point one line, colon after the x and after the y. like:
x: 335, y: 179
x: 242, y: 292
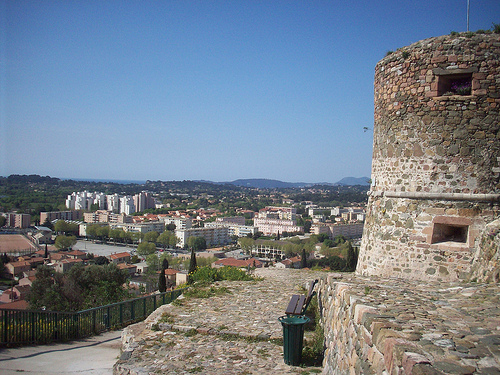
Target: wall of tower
x: 436, y: 154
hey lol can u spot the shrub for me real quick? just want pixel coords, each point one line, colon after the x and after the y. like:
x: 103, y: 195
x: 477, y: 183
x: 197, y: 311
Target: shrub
x: 209, y: 274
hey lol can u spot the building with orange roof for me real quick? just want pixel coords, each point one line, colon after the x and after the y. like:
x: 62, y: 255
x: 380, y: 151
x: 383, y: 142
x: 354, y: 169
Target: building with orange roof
x: 118, y: 258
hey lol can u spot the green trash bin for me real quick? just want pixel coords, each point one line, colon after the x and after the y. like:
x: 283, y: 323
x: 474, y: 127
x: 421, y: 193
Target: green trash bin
x: 293, y: 337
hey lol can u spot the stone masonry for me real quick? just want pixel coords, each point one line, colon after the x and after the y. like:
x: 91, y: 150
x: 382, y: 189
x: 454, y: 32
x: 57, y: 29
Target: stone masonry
x: 436, y: 161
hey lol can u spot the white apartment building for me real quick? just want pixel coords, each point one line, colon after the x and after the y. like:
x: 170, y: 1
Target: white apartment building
x: 180, y: 222
x: 234, y: 229
x: 127, y: 206
x: 347, y: 230
x: 238, y: 220
x: 274, y: 220
x: 113, y: 202
x: 217, y: 236
x: 150, y: 226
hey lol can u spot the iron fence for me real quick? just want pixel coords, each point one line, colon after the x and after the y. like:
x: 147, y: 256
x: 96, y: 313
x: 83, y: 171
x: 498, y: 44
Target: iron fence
x: 21, y: 327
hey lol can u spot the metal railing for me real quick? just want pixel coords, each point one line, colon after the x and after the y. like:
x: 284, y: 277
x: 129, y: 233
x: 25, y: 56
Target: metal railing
x: 18, y: 327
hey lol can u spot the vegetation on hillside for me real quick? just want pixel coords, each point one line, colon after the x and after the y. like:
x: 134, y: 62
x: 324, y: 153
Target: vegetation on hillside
x: 78, y: 289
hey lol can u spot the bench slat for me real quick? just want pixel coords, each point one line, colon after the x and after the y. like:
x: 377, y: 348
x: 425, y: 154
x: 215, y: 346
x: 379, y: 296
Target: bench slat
x: 295, y: 305
x: 292, y: 305
x: 299, y: 302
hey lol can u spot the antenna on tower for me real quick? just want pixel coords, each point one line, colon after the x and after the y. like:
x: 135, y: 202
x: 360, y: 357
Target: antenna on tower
x: 468, y: 9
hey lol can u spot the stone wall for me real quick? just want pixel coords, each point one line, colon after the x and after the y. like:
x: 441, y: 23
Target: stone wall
x: 375, y: 326
x: 436, y: 154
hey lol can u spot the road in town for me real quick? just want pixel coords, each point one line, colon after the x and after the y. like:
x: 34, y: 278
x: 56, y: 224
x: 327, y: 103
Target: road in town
x: 93, y: 356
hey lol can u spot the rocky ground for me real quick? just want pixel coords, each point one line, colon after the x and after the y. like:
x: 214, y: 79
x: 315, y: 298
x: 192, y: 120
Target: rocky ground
x: 234, y: 332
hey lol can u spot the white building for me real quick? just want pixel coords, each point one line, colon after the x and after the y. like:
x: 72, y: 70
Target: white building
x: 127, y: 206
x: 234, y: 229
x: 274, y: 220
x: 180, y: 222
x: 347, y: 230
x: 217, y: 236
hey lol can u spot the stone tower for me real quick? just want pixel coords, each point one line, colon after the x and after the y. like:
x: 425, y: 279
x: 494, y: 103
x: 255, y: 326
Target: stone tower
x: 433, y: 209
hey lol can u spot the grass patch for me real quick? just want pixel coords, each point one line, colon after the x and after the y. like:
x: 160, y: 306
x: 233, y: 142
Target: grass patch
x: 204, y: 292
x: 166, y: 318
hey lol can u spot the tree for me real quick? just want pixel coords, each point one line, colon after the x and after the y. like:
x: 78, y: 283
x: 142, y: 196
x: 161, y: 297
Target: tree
x: 116, y: 234
x: 80, y: 288
x: 170, y: 227
x: 47, y: 224
x: 146, y: 248
x: 151, y: 236
x: 303, y: 259
x: 197, y: 243
x: 246, y: 244
x: 103, y: 232
x: 101, y: 260
x: 307, y: 226
x: 62, y: 226
x: 351, y: 258
x: 162, y: 282
x: 65, y: 242
x: 2, y: 220
x: 192, y: 266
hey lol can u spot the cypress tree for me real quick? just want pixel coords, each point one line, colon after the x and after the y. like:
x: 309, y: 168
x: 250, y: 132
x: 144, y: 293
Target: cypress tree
x: 351, y: 258
x: 162, y: 281
x: 303, y: 260
x: 192, y: 265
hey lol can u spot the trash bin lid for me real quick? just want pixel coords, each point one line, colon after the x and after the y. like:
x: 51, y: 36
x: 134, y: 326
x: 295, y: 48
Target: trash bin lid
x: 293, y: 319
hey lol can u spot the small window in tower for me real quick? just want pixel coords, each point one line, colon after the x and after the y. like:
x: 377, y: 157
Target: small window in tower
x: 455, y: 84
x: 449, y: 233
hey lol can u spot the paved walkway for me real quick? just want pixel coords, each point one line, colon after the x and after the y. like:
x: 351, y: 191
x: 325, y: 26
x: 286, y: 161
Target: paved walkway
x: 230, y: 333
x: 93, y: 356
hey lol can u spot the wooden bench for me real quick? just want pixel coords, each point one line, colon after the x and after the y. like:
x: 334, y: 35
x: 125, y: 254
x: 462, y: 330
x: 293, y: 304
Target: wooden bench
x: 299, y: 302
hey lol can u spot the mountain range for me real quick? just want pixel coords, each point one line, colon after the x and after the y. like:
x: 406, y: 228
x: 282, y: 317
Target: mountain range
x: 263, y: 183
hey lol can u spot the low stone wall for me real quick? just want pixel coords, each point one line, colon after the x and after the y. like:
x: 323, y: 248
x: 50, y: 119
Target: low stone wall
x: 375, y: 326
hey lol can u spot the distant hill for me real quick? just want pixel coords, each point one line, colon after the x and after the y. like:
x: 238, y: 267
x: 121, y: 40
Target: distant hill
x: 354, y: 181
x: 263, y: 183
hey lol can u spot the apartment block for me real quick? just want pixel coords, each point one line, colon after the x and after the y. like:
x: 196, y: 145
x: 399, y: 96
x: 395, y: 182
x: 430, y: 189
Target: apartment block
x: 217, y: 236
x: 60, y: 215
x: 332, y: 230
x: 17, y: 220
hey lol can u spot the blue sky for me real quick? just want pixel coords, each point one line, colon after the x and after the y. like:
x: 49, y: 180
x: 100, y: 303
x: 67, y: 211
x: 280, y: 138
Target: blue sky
x: 213, y: 90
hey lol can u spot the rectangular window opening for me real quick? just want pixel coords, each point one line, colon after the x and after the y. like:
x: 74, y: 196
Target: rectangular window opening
x: 455, y: 84
x: 449, y: 233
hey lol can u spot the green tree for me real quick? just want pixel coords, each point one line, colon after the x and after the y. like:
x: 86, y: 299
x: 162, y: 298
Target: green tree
x: 246, y: 244
x: 146, y: 248
x: 103, y: 232
x: 62, y: 226
x: 101, y: 260
x: 307, y: 226
x: 116, y: 234
x: 47, y: 224
x: 197, y: 243
x: 162, y: 281
x: 151, y: 236
x: 170, y: 227
x: 351, y: 258
x: 192, y: 266
x: 303, y: 259
x: 2, y: 220
x: 65, y: 242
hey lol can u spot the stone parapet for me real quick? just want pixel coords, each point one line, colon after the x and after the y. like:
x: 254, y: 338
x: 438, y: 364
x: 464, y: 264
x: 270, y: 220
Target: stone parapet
x: 377, y: 326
